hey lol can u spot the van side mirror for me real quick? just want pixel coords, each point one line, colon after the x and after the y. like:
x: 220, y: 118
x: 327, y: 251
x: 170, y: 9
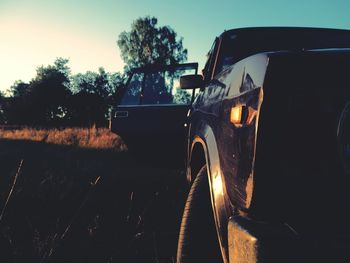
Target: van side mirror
x: 191, y: 82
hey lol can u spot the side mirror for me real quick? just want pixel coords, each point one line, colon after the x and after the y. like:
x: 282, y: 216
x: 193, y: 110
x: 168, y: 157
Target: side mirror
x: 191, y: 82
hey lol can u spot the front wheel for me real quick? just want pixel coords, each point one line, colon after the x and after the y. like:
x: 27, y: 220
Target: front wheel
x: 198, y: 241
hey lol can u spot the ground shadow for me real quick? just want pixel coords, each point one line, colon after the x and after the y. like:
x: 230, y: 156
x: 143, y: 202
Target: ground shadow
x: 80, y: 205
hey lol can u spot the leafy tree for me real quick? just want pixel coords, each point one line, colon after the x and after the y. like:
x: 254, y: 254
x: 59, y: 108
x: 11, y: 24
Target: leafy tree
x: 87, y: 109
x: 84, y: 82
x: 148, y: 44
x: 102, y: 83
x: 43, y: 100
x: 2, y: 114
x: 61, y: 64
x: 19, y: 89
x: 48, y: 93
x: 182, y: 97
x: 93, y: 96
x: 16, y: 110
x: 48, y: 98
x: 116, y: 82
x: 87, y: 105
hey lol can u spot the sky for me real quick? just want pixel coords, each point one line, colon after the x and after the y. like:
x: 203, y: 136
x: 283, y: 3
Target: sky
x: 36, y: 32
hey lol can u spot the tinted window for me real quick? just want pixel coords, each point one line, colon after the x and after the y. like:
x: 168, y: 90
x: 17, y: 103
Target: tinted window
x: 155, y: 91
x: 158, y: 88
x: 208, y: 69
x: 172, y: 78
x: 239, y: 44
x: 132, y: 94
x: 163, y: 87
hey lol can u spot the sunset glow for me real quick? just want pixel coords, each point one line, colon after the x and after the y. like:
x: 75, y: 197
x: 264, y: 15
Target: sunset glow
x: 36, y: 32
x: 28, y: 42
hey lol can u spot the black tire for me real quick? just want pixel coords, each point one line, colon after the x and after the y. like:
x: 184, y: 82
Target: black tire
x: 198, y: 241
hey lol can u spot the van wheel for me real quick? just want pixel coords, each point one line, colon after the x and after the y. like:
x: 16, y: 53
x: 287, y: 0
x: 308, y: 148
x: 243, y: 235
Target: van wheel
x: 198, y: 241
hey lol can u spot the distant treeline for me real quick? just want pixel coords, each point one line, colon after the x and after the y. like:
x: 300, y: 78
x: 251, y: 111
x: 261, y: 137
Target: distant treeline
x: 55, y: 98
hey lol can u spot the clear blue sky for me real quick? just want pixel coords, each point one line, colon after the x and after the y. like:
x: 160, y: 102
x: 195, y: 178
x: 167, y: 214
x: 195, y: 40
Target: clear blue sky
x: 35, y: 32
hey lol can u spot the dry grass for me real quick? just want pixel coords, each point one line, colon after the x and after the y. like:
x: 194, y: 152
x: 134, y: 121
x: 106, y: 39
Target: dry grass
x: 92, y: 138
x: 57, y: 210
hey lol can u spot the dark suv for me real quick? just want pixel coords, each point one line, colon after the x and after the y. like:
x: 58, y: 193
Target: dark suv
x: 269, y: 149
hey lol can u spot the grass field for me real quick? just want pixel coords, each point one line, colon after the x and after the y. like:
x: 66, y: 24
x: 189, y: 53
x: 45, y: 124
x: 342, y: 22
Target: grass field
x: 93, y: 138
x: 85, y: 199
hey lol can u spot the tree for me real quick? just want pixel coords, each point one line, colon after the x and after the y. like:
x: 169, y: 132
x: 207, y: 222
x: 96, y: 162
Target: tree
x: 87, y: 109
x: 61, y: 64
x: 147, y: 44
x: 102, y: 83
x: 18, y: 89
x: 94, y: 95
x: 42, y: 101
x: 16, y: 110
x: 2, y: 114
x: 182, y: 97
x: 48, y: 93
x: 84, y: 82
x: 116, y: 82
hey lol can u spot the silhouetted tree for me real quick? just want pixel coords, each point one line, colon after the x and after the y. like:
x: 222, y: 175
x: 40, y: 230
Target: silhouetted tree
x: 87, y: 109
x: 182, y: 97
x: 84, y: 82
x: 116, y: 82
x: 48, y: 94
x: 148, y: 44
x: 48, y: 98
x: 61, y: 64
x: 16, y: 109
x: 93, y: 96
x: 18, y: 89
x: 101, y: 83
x: 2, y: 115
x: 44, y: 100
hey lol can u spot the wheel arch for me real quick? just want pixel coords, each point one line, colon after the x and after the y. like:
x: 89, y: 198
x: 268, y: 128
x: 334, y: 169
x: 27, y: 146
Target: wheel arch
x: 204, y: 151
x: 197, y: 160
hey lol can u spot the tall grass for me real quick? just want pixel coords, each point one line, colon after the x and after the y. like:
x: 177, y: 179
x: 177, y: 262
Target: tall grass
x: 92, y: 138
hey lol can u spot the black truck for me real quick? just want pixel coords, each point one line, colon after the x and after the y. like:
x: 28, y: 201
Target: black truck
x: 268, y: 146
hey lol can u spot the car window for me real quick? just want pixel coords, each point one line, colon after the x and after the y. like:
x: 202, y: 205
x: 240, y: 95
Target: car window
x: 132, y: 94
x: 159, y: 87
x: 163, y: 87
x: 208, y: 68
x: 155, y: 91
x: 172, y: 79
x: 226, y: 57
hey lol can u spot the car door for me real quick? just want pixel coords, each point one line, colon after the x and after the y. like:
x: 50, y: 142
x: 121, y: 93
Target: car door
x: 151, y: 111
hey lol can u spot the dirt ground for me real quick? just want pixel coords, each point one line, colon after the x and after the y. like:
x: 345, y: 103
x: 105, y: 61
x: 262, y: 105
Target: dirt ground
x: 79, y: 205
